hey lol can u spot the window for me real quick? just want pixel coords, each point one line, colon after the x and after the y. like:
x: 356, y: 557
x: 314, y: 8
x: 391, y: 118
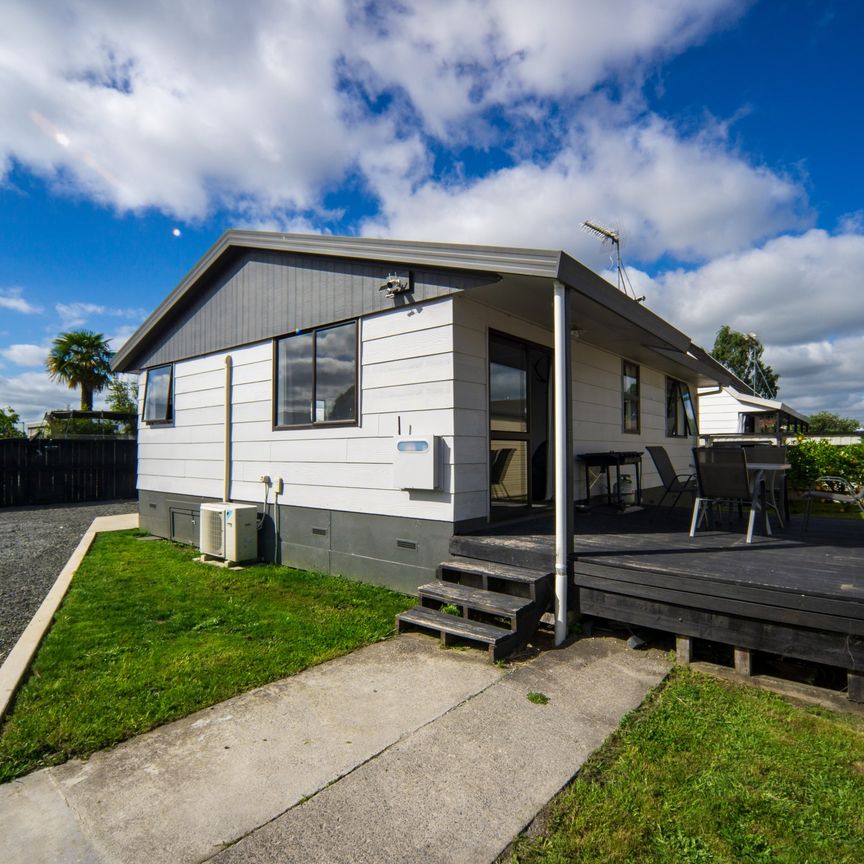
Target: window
x: 758, y: 423
x: 316, y: 377
x: 630, y: 397
x: 680, y: 414
x: 159, y: 395
x: 508, y: 385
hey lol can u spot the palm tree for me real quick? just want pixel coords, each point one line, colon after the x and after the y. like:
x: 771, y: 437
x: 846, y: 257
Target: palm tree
x: 81, y: 358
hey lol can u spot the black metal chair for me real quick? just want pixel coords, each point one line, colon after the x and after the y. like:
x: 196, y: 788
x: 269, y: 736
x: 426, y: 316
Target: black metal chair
x: 673, y: 483
x: 836, y: 489
x: 722, y: 479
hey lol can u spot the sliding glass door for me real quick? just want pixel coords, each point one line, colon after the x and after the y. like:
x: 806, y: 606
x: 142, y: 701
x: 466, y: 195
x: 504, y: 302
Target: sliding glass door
x: 518, y: 424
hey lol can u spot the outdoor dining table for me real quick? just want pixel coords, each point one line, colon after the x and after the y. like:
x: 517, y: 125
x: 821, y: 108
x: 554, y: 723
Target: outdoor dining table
x: 757, y: 472
x: 605, y: 461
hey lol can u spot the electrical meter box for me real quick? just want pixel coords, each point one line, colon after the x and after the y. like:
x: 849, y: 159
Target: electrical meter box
x: 416, y: 462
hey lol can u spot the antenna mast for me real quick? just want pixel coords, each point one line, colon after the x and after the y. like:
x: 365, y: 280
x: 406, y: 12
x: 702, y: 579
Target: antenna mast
x: 611, y: 236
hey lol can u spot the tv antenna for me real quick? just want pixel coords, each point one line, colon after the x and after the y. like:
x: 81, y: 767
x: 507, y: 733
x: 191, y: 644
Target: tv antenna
x: 755, y: 369
x: 608, y: 235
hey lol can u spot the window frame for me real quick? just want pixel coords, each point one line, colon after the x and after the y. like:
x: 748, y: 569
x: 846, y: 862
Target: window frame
x: 320, y: 424
x: 678, y: 384
x: 627, y: 398
x: 169, y: 419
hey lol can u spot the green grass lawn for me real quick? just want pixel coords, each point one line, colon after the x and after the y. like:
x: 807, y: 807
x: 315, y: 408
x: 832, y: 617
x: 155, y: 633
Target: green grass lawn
x: 710, y: 772
x: 146, y: 635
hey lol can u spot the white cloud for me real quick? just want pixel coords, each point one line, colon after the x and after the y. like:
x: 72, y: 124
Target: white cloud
x: 76, y: 314
x: 800, y: 294
x: 161, y: 105
x: 791, y: 290
x: 12, y: 298
x: 822, y: 376
x: 455, y: 58
x: 31, y: 394
x: 667, y: 194
x: 260, y: 107
x: 26, y: 354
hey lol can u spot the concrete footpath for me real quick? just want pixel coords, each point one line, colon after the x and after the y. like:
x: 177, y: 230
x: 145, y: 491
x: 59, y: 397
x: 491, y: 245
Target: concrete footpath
x: 399, y: 752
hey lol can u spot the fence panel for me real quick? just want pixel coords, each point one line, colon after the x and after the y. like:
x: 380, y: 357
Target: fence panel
x: 66, y: 471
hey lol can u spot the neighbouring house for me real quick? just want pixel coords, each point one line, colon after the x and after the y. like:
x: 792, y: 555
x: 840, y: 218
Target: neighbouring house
x: 374, y: 397
x: 727, y: 412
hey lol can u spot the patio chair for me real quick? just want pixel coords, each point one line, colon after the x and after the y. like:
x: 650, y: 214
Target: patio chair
x: 721, y: 479
x: 836, y: 489
x: 501, y: 460
x: 770, y: 454
x: 673, y: 483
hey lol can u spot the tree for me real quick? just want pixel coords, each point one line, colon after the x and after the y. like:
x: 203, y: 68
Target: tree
x: 123, y: 396
x: 738, y: 352
x: 10, y: 424
x: 826, y: 423
x: 81, y: 358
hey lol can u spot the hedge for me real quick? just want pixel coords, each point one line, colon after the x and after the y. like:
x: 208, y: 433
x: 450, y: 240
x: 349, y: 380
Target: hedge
x: 811, y: 459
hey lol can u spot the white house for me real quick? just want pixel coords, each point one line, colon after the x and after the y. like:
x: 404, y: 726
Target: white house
x: 305, y: 360
x: 727, y: 411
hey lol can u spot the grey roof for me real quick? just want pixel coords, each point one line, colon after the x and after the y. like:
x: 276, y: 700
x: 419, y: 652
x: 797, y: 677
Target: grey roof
x: 504, y: 261
x: 767, y: 405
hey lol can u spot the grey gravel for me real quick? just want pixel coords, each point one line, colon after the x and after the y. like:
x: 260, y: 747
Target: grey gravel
x: 35, y: 544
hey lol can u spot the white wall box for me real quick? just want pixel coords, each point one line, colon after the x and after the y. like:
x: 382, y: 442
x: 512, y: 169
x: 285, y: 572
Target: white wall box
x: 415, y: 462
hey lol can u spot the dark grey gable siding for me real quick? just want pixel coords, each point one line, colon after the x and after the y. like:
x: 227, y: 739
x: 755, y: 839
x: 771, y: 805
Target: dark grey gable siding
x: 264, y: 294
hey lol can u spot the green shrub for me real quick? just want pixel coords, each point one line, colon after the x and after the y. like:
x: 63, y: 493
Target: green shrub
x: 811, y: 459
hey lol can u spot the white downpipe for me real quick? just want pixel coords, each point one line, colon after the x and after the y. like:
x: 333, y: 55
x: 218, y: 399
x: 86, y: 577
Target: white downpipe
x: 226, y: 474
x: 563, y: 455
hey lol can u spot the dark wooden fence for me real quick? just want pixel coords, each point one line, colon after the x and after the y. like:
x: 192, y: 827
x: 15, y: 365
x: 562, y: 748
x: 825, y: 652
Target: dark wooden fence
x: 66, y: 471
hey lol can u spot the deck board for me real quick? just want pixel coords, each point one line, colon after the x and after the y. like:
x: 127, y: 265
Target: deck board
x: 802, y: 596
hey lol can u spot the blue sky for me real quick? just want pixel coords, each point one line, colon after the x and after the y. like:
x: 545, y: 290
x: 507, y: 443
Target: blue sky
x: 722, y: 138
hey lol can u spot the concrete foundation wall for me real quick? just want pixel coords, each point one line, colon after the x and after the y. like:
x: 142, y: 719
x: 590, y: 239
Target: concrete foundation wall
x: 393, y: 551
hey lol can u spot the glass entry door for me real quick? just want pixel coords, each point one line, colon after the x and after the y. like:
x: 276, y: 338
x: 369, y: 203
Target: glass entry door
x: 519, y: 374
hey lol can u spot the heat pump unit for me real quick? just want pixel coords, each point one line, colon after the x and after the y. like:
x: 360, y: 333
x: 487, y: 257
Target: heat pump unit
x: 229, y: 531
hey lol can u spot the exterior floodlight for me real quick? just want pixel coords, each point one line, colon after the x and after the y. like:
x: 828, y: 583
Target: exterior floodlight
x: 396, y: 284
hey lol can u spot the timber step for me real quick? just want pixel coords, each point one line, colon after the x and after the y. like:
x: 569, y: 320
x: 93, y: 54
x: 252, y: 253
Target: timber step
x: 532, y: 552
x: 504, y: 578
x: 500, y: 604
x: 475, y: 599
x: 500, y: 642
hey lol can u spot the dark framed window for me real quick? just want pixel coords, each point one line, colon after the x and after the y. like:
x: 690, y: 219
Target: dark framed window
x: 758, y: 423
x: 680, y: 413
x: 316, y: 377
x: 159, y: 395
x: 630, y: 397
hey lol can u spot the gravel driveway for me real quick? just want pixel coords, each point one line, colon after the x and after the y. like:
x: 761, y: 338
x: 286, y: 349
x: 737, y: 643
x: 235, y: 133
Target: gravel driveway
x: 35, y: 544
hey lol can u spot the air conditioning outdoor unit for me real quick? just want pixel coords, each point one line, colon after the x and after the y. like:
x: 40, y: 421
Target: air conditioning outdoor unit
x: 229, y: 531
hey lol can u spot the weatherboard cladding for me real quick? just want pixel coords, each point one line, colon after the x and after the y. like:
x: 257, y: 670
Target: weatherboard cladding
x: 261, y: 294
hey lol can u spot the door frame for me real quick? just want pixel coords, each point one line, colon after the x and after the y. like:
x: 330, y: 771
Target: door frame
x: 529, y: 436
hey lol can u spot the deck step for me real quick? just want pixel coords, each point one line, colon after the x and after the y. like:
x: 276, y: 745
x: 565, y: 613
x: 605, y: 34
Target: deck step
x: 476, y: 599
x: 500, y: 571
x: 502, y: 578
x: 532, y: 552
x: 500, y: 642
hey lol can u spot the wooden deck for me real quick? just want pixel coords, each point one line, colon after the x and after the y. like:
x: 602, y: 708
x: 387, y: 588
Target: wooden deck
x: 795, y: 596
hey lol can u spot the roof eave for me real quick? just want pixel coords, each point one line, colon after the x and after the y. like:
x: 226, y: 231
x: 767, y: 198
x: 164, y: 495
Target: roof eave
x: 520, y: 261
